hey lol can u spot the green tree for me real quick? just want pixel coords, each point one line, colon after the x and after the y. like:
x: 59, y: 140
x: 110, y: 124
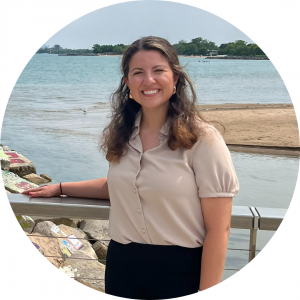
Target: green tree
x: 240, y: 43
x: 229, y: 49
x: 202, y: 50
x: 255, y: 50
x: 96, y: 49
x: 205, y: 42
x: 197, y: 41
x: 241, y: 50
x: 221, y: 51
x: 223, y: 46
x: 258, y: 51
x: 212, y: 46
x: 252, y: 49
x: 117, y: 49
x: 107, y: 48
x: 179, y: 48
x: 190, y: 49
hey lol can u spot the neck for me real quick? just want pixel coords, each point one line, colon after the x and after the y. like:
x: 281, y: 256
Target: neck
x: 154, y: 119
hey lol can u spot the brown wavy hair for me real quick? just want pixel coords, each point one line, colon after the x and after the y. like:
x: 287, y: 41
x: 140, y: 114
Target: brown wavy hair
x: 182, y: 111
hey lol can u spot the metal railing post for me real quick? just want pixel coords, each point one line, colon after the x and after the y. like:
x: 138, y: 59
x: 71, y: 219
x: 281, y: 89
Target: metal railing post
x: 253, y: 234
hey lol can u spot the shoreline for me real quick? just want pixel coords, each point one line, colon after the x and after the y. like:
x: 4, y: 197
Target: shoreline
x: 188, y: 56
x: 256, y: 128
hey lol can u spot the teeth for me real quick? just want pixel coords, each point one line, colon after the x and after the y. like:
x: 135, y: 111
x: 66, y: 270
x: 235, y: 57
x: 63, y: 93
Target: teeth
x: 150, y: 92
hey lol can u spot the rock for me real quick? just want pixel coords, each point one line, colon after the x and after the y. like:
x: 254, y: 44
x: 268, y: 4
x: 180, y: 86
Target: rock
x: 238, y: 57
x: 15, y: 184
x: 19, y: 164
x: 49, y: 247
x: 57, y: 221
x: 5, y: 161
x: 62, y: 232
x: 39, y: 248
x: 44, y: 228
x: 87, y: 272
x: 96, y: 229
x: 46, y: 177
x: 86, y: 250
x: 35, y: 179
x: 101, y: 251
x: 5, y: 148
x: 26, y: 222
x: 81, y: 264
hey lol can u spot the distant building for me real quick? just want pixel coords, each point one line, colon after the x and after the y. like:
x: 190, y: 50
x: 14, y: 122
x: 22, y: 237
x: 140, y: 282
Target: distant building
x: 57, y: 47
x: 213, y: 52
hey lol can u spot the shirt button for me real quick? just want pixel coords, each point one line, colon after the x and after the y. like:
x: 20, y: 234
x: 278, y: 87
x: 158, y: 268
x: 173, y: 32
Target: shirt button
x: 138, y: 210
x: 143, y: 230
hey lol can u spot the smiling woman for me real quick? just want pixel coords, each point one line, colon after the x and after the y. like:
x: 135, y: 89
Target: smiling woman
x: 170, y: 182
x: 151, y: 83
x: 151, y: 80
x: 154, y: 82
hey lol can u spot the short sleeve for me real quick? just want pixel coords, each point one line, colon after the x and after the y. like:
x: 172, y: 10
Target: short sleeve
x: 214, y: 172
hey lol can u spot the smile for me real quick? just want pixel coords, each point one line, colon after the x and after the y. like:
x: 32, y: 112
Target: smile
x: 150, y: 92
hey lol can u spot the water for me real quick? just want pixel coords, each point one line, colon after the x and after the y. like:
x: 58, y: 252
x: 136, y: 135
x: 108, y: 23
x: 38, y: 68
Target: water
x: 44, y: 118
x: 44, y: 121
x: 265, y: 181
x: 50, y: 81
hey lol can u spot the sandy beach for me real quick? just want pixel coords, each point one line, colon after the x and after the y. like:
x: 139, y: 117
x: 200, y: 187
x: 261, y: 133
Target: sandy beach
x: 256, y: 128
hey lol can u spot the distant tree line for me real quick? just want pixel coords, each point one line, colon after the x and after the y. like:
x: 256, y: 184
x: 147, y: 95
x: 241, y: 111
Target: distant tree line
x: 56, y: 49
x: 240, y: 48
x: 200, y: 46
x: 117, y: 49
x: 197, y: 46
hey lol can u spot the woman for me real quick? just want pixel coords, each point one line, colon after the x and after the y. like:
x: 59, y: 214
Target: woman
x: 170, y: 182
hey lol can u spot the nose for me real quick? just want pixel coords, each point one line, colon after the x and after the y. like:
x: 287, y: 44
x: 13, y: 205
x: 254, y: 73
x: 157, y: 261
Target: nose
x: 149, y: 78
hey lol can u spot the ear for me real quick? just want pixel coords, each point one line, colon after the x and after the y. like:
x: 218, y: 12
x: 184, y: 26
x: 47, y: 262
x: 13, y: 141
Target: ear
x: 175, y: 79
x: 126, y: 81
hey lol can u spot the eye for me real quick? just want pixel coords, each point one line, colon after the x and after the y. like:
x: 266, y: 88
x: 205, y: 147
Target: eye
x: 137, y: 73
x: 158, y: 70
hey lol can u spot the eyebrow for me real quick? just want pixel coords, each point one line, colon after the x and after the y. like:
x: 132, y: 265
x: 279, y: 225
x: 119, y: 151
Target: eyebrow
x: 141, y: 69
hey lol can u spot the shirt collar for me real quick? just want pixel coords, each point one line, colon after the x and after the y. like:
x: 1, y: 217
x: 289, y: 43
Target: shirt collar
x: 164, y: 130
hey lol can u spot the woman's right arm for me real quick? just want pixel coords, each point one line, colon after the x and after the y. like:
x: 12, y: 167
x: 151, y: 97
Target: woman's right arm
x: 95, y: 188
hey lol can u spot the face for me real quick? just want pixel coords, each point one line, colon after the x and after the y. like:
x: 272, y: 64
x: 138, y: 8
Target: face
x: 150, y: 79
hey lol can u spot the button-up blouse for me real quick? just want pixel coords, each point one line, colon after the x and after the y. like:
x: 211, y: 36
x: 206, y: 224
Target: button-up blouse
x: 156, y: 196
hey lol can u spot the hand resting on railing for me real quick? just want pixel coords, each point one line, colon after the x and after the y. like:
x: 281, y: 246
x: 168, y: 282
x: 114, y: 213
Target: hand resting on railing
x: 95, y: 188
x: 44, y: 191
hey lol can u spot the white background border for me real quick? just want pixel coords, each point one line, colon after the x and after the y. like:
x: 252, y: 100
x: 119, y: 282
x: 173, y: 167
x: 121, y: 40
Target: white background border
x: 26, y: 25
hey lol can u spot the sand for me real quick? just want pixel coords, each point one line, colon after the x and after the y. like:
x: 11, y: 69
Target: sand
x: 256, y: 128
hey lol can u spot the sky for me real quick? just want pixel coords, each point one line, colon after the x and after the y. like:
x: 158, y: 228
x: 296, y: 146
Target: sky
x: 126, y: 22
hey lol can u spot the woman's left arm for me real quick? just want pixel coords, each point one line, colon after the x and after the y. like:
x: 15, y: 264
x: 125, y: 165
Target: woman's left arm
x: 217, y: 216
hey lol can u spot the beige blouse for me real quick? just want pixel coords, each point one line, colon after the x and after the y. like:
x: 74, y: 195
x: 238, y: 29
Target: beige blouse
x: 156, y: 195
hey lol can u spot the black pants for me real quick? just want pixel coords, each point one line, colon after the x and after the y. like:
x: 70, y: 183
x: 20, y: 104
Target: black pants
x: 145, y: 271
